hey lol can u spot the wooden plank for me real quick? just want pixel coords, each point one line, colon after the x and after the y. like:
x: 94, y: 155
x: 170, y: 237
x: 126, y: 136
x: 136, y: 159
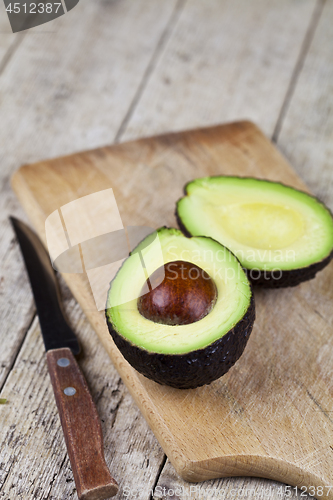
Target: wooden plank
x: 86, y: 78
x: 225, y: 61
x: 34, y: 462
x: 307, y: 130
x: 48, y: 91
x: 16, y: 309
x: 101, y: 68
x: 8, y: 40
x: 30, y: 132
x: 264, y: 425
x: 16, y: 305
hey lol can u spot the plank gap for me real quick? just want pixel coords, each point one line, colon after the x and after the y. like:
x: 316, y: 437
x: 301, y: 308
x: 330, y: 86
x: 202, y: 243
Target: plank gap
x: 115, y: 411
x: 56, y: 475
x: 165, y: 36
x: 158, y: 475
x: 309, y: 35
x: 11, y: 366
x: 7, y: 475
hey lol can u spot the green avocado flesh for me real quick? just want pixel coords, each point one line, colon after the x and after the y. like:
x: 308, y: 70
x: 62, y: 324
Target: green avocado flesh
x: 267, y: 225
x: 233, y: 293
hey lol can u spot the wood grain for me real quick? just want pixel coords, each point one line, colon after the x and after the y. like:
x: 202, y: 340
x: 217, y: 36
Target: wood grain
x: 8, y: 41
x: 52, y: 77
x: 50, y: 83
x: 34, y: 461
x: 307, y: 131
x: 82, y: 428
x: 16, y: 306
x: 14, y: 288
x: 225, y: 61
x: 269, y: 416
x: 93, y: 56
x: 95, y: 66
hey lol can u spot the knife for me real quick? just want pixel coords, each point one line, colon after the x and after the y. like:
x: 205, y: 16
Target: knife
x: 78, y: 414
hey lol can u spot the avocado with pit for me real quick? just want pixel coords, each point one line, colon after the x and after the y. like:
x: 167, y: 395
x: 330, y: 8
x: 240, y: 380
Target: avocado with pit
x: 180, y: 309
x: 281, y: 236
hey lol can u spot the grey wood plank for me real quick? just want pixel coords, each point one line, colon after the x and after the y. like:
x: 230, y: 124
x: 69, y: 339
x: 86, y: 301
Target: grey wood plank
x: 9, y: 41
x: 299, y: 65
x: 64, y: 90
x: 14, y: 291
x: 67, y: 93
x: 34, y: 463
x: 306, y: 137
x: 16, y: 305
x: 69, y: 89
x: 225, y: 60
x: 151, y: 67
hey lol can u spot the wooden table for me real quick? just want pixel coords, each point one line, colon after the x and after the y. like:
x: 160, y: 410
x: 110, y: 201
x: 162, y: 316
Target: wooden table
x: 110, y: 71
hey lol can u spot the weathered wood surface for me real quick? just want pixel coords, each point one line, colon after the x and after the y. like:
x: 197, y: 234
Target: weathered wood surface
x: 9, y: 42
x: 14, y: 288
x: 38, y: 89
x: 36, y: 122
x: 45, y: 88
x: 306, y: 137
x: 34, y: 462
x: 225, y: 61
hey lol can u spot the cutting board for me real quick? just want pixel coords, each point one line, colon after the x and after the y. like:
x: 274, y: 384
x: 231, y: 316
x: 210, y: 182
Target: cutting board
x: 271, y: 415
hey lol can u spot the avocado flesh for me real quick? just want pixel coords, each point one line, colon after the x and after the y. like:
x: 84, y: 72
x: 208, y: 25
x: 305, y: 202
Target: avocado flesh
x: 183, y: 356
x: 267, y: 225
x: 233, y: 295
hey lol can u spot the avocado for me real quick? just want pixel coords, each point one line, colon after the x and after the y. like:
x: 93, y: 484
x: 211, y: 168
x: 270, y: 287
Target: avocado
x: 281, y: 236
x: 184, y: 319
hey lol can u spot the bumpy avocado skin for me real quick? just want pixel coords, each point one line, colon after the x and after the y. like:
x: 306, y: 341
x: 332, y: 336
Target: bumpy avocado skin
x: 283, y: 279
x: 193, y: 369
x: 287, y: 278
x: 268, y: 279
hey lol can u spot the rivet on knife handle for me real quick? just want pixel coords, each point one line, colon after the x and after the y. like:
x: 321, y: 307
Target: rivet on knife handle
x: 81, y: 427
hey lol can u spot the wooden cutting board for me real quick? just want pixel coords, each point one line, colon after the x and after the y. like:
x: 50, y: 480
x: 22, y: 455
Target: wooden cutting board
x: 271, y: 415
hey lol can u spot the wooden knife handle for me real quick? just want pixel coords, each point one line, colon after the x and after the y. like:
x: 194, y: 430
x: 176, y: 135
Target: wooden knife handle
x: 81, y: 426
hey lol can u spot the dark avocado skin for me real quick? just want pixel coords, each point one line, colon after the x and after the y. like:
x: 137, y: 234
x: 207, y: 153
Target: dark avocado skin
x: 287, y: 278
x: 268, y: 279
x: 193, y: 369
x: 283, y: 279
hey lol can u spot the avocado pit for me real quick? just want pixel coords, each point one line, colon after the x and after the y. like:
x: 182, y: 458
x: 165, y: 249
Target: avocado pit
x: 184, y: 295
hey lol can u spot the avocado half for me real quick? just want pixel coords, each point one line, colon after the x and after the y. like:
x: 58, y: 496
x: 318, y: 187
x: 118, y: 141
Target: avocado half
x: 184, y: 355
x: 281, y: 236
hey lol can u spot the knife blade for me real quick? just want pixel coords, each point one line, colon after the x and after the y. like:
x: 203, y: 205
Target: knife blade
x: 78, y: 414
